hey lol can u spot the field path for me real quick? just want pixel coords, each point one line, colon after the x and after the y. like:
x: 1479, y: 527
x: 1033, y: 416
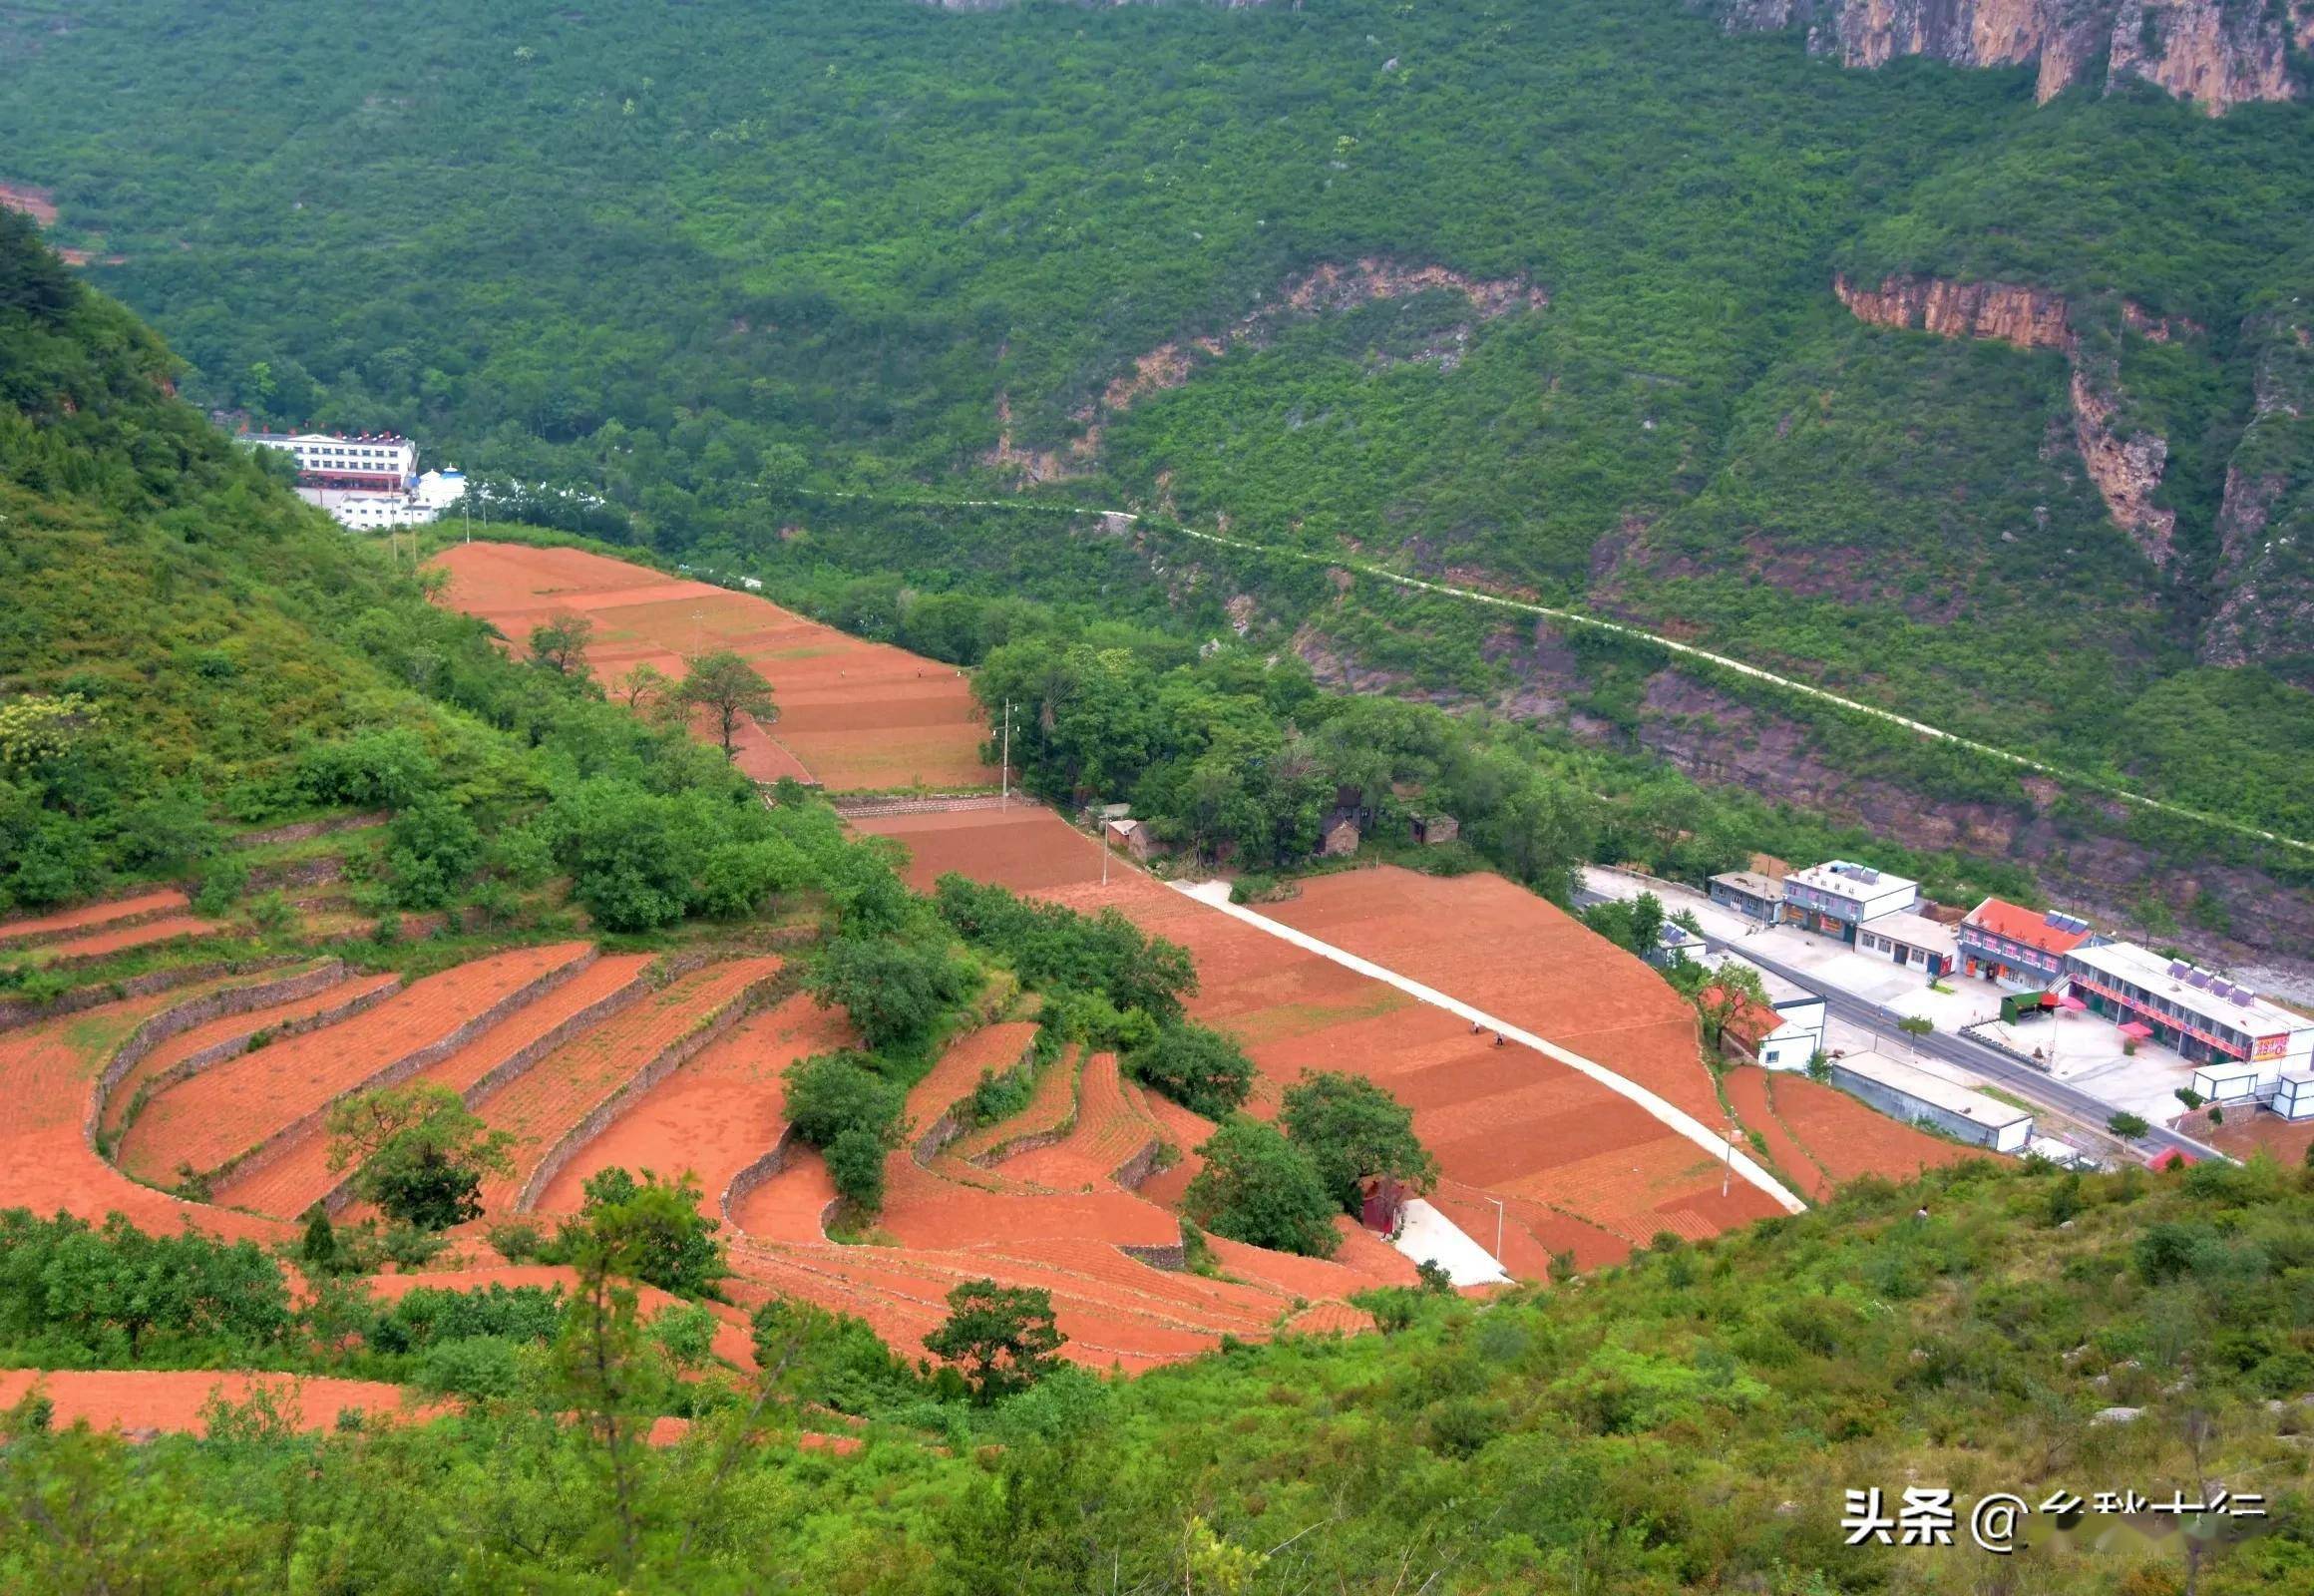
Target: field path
x: 1216, y: 895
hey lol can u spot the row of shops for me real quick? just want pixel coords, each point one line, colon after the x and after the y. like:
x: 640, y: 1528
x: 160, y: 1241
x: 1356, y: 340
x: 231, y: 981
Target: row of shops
x: 2245, y: 1048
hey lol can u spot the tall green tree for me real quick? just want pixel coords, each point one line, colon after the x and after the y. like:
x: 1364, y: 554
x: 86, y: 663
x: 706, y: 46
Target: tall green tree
x: 1259, y: 1188
x: 1353, y: 1131
x: 1003, y: 1336
x: 418, y: 1152
x: 729, y: 690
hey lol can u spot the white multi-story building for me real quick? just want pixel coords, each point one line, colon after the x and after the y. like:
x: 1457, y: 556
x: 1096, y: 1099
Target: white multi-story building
x: 1835, y: 898
x: 367, y: 481
x: 2243, y: 1043
x: 373, y: 461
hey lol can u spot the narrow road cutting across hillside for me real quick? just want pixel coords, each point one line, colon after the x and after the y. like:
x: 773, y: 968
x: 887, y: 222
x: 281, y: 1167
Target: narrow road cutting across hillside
x: 1216, y: 895
x: 1576, y: 618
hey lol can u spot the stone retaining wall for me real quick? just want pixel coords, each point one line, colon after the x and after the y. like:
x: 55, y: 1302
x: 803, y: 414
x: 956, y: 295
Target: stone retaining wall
x: 179, y: 1019
x: 234, y: 1046
x: 737, y: 1188
x: 669, y: 1059
x: 19, y: 1012
x: 401, y: 1070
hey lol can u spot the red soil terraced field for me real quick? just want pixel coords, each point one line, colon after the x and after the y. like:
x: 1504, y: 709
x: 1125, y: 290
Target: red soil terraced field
x: 1499, y: 948
x: 554, y: 1098
x: 233, y: 1031
x: 1051, y: 1107
x: 301, y: 1176
x: 717, y: 1114
x: 1850, y: 1138
x: 1111, y: 1134
x: 786, y: 1208
x: 1115, y: 1309
x: 1506, y: 1119
x: 993, y: 1048
x: 228, y: 1109
x: 138, y: 1399
x: 859, y: 716
x: 1747, y: 1089
x: 1028, y: 847
x: 119, y: 938
x: 46, y: 1162
x: 88, y: 918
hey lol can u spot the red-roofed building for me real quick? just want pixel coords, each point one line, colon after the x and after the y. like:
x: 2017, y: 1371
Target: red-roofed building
x: 2019, y: 947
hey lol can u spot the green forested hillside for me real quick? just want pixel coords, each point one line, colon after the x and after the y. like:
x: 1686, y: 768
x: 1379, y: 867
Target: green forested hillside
x: 188, y: 653
x: 687, y: 258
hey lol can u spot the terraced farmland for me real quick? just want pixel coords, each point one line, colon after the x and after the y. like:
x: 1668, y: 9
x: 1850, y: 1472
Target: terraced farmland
x: 86, y: 920
x: 255, y: 1103
x: 853, y: 716
x: 1506, y: 1121
x: 1027, y: 847
x: 565, y: 1098
x: 719, y: 1115
x: 300, y: 1174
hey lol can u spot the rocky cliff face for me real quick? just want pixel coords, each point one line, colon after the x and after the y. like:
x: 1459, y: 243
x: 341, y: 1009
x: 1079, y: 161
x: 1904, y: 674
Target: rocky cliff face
x: 2126, y: 462
x: 2265, y: 523
x: 2219, y: 53
x: 2030, y: 318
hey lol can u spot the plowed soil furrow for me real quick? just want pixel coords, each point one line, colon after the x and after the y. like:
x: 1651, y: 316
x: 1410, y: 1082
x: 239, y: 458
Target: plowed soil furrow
x: 224, y: 1111
x: 1109, y: 1133
x: 855, y: 714
x: 143, y: 1400
x: 1747, y: 1087
x: 51, y: 1071
x: 716, y: 1116
x: 557, y: 1093
x: 144, y: 934
x: 88, y: 918
x: 1028, y: 847
x: 1050, y: 1108
x: 787, y: 1205
x: 289, y: 1183
x: 230, y: 1028
x: 1506, y: 1119
x: 995, y: 1049
x: 1851, y: 1139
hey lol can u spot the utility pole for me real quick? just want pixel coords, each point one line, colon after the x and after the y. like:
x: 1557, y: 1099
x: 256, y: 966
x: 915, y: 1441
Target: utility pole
x: 1728, y: 1167
x: 1497, y: 1201
x: 1004, y: 777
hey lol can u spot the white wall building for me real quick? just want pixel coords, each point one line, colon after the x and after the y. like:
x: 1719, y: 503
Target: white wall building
x: 1834, y: 898
x: 1796, y: 1032
x: 2243, y: 1043
x: 1907, y: 1092
x: 375, y: 461
x: 367, y: 481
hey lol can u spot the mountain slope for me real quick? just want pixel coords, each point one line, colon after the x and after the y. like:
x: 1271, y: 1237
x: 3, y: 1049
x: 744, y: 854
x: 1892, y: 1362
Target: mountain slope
x: 1550, y: 298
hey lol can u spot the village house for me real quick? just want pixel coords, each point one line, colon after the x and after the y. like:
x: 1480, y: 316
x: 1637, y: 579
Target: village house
x: 1749, y: 894
x: 2019, y: 948
x: 1431, y: 830
x: 1836, y: 898
x: 1132, y: 837
x: 1341, y: 837
x: 1912, y: 939
x: 1785, y: 1033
